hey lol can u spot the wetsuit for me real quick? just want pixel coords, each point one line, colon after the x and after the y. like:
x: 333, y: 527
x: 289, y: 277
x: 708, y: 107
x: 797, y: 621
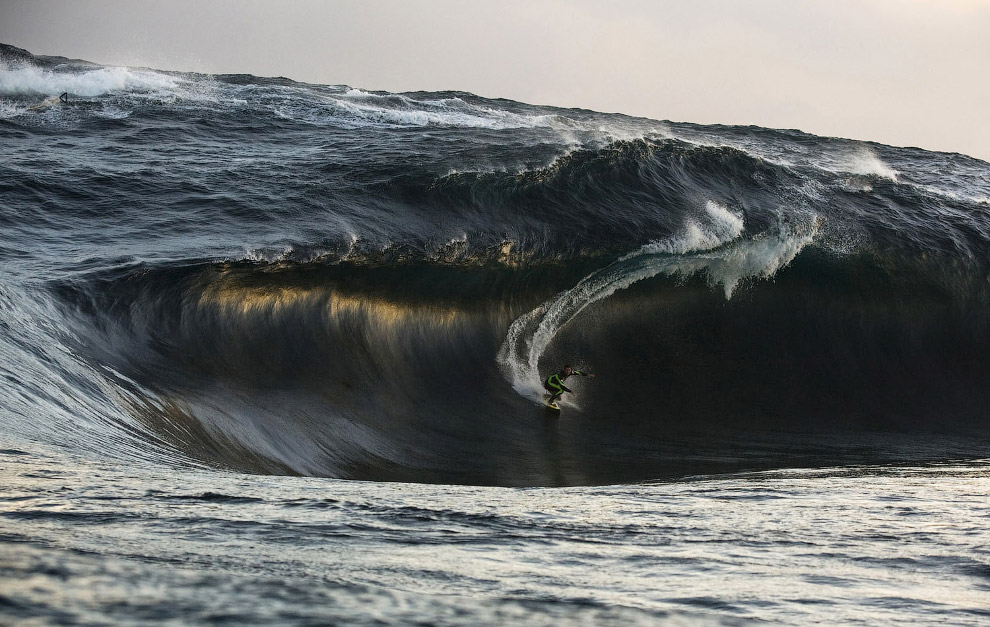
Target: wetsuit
x: 555, y: 384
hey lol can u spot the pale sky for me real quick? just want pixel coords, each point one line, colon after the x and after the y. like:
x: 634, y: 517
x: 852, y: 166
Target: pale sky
x: 901, y: 72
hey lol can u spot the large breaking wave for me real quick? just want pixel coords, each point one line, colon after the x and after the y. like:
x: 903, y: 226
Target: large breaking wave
x: 285, y: 278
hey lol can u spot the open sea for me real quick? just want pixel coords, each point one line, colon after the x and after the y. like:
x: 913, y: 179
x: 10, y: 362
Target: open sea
x: 273, y: 352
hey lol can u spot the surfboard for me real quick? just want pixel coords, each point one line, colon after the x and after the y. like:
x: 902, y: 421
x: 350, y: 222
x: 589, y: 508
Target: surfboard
x: 551, y: 406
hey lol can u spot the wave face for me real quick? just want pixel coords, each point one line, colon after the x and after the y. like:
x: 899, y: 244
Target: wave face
x: 276, y: 277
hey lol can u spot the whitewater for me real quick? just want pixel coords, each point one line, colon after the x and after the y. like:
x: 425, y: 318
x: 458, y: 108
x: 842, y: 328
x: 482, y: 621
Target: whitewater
x: 273, y: 353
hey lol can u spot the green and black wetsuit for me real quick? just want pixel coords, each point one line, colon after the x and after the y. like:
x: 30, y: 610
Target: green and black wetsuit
x: 555, y: 384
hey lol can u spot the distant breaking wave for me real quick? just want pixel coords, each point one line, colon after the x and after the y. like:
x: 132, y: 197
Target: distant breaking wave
x: 275, y: 277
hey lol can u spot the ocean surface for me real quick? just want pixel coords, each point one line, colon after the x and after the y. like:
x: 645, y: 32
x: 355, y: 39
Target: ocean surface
x: 272, y: 353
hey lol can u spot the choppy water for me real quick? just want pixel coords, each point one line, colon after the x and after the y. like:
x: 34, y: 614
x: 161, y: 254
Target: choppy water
x: 98, y: 542
x: 237, y: 310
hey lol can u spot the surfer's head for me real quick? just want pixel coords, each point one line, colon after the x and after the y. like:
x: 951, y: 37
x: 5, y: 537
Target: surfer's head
x: 567, y: 370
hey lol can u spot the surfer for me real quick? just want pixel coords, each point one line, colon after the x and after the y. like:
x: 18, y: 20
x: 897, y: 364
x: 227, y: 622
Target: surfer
x: 555, y: 383
x: 50, y: 102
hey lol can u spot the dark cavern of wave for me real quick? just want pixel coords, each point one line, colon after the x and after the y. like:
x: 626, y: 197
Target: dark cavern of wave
x: 391, y: 372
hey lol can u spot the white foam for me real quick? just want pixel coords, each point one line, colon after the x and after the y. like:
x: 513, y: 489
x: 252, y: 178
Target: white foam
x: 357, y: 93
x: 112, y: 112
x: 718, y: 226
x: 357, y: 107
x: 708, y: 244
x: 29, y: 80
x: 759, y: 258
x: 268, y: 255
x: 362, y: 107
x: 866, y: 162
x: 9, y: 109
